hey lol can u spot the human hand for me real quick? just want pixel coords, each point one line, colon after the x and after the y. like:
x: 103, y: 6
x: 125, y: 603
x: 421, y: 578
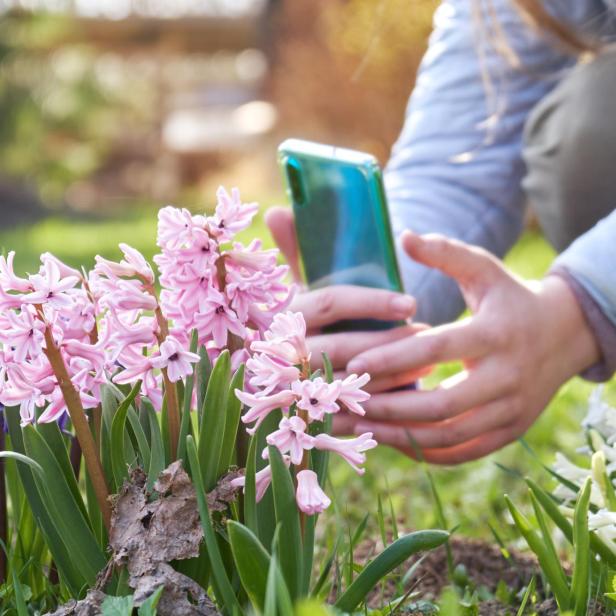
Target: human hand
x: 325, y: 306
x: 522, y: 342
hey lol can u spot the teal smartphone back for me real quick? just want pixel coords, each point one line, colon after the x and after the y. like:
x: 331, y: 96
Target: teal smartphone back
x: 341, y: 216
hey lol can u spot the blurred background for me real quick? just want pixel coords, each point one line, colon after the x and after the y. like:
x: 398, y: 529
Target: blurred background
x: 110, y: 109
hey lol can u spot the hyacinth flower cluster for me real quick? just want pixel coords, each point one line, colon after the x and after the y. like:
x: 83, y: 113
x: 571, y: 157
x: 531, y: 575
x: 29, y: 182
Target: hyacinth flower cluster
x: 280, y: 374
x: 65, y: 332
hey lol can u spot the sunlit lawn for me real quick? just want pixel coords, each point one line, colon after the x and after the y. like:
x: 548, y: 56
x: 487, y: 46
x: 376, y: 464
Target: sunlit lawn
x: 472, y: 493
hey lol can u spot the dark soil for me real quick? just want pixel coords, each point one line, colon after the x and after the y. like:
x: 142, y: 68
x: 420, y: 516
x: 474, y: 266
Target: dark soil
x: 485, y: 566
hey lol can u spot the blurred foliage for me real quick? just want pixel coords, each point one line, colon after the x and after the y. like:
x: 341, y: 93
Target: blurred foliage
x: 56, y: 119
x: 344, y: 68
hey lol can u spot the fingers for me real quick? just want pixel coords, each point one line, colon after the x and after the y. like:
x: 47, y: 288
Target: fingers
x: 455, y: 341
x: 460, y: 261
x: 453, y: 397
x: 403, y: 439
x: 282, y: 227
x: 340, y: 348
x: 340, y: 302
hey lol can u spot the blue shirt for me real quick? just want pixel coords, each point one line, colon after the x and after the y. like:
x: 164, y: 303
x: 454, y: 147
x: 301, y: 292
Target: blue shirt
x: 457, y: 166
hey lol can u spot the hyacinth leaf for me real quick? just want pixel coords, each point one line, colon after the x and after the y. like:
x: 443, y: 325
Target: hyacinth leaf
x: 287, y: 519
x: 250, y: 489
x: 157, y: 448
x: 266, y: 515
x: 110, y: 399
x: 71, y: 574
x: 212, y: 428
x: 530, y: 589
x: 64, y: 510
x: 327, y: 567
x: 94, y: 512
x: 233, y: 412
x: 148, y: 607
x: 551, y: 508
x: 203, y: 373
x: 252, y: 561
x: 554, y: 574
x: 328, y: 368
x: 187, y: 401
x: 119, y: 461
x: 222, y: 587
x: 140, y: 438
x: 385, y: 562
x: 278, y: 601
x: 54, y: 439
x: 117, y: 606
x: 548, y: 544
x: 580, y: 584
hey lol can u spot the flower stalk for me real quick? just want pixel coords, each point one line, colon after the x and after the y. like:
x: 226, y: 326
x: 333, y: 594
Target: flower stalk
x: 80, y: 423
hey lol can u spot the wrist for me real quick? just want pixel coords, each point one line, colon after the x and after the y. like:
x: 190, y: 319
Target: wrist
x: 576, y: 347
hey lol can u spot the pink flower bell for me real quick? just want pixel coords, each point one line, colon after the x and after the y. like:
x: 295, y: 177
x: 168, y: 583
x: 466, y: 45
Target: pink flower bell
x: 351, y: 393
x: 291, y: 437
x: 352, y: 450
x: 262, y: 406
x: 318, y: 397
x: 175, y: 358
x: 309, y: 496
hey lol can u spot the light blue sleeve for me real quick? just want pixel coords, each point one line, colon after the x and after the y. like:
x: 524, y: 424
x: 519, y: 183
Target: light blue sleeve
x: 456, y: 167
x: 591, y: 259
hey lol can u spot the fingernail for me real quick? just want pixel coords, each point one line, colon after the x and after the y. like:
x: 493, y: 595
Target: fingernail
x: 360, y: 428
x: 357, y: 366
x: 403, y: 304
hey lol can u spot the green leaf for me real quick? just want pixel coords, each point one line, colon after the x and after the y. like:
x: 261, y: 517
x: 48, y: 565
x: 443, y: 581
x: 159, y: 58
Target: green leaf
x: 157, y: 447
x: 580, y: 584
x: 252, y: 562
x: 213, y: 421
x: 554, y: 574
x: 204, y: 371
x: 186, y: 401
x: 551, y: 508
x: 72, y: 576
x: 287, y: 519
x: 53, y: 437
x: 250, y: 490
x: 119, y: 463
x: 278, y: 601
x: 117, y: 606
x: 148, y: 607
x: 63, y: 508
x: 548, y: 544
x: 232, y: 421
x: 530, y: 589
x: 223, y: 586
x: 385, y: 562
x: 18, y: 457
x: 143, y: 445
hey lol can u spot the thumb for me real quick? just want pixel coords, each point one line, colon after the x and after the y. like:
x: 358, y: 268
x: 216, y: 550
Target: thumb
x: 282, y: 227
x: 466, y: 264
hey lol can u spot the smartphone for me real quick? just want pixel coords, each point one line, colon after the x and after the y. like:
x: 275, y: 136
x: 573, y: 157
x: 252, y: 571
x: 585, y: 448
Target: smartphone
x: 341, y: 220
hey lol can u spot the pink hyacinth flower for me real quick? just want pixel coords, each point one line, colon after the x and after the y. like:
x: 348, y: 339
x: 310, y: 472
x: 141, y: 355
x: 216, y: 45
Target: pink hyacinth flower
x: 270, y: 373
x: 217, y: 319
x: 291, y: 437
x: 175, y: 358
x: 9, y: 281
x: 285, y: 339
x: 352, y: 450
x: 262, y: 406
x: 309, y: 496
x: 134, y: 372
x: 263, y: 478
x: 175, y: 228
x: 133, y: 264
x: 24, y: 333
x: 352, y: 394
x: 50, y: 288
x: 231, y: 214
x: 318, y: 397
